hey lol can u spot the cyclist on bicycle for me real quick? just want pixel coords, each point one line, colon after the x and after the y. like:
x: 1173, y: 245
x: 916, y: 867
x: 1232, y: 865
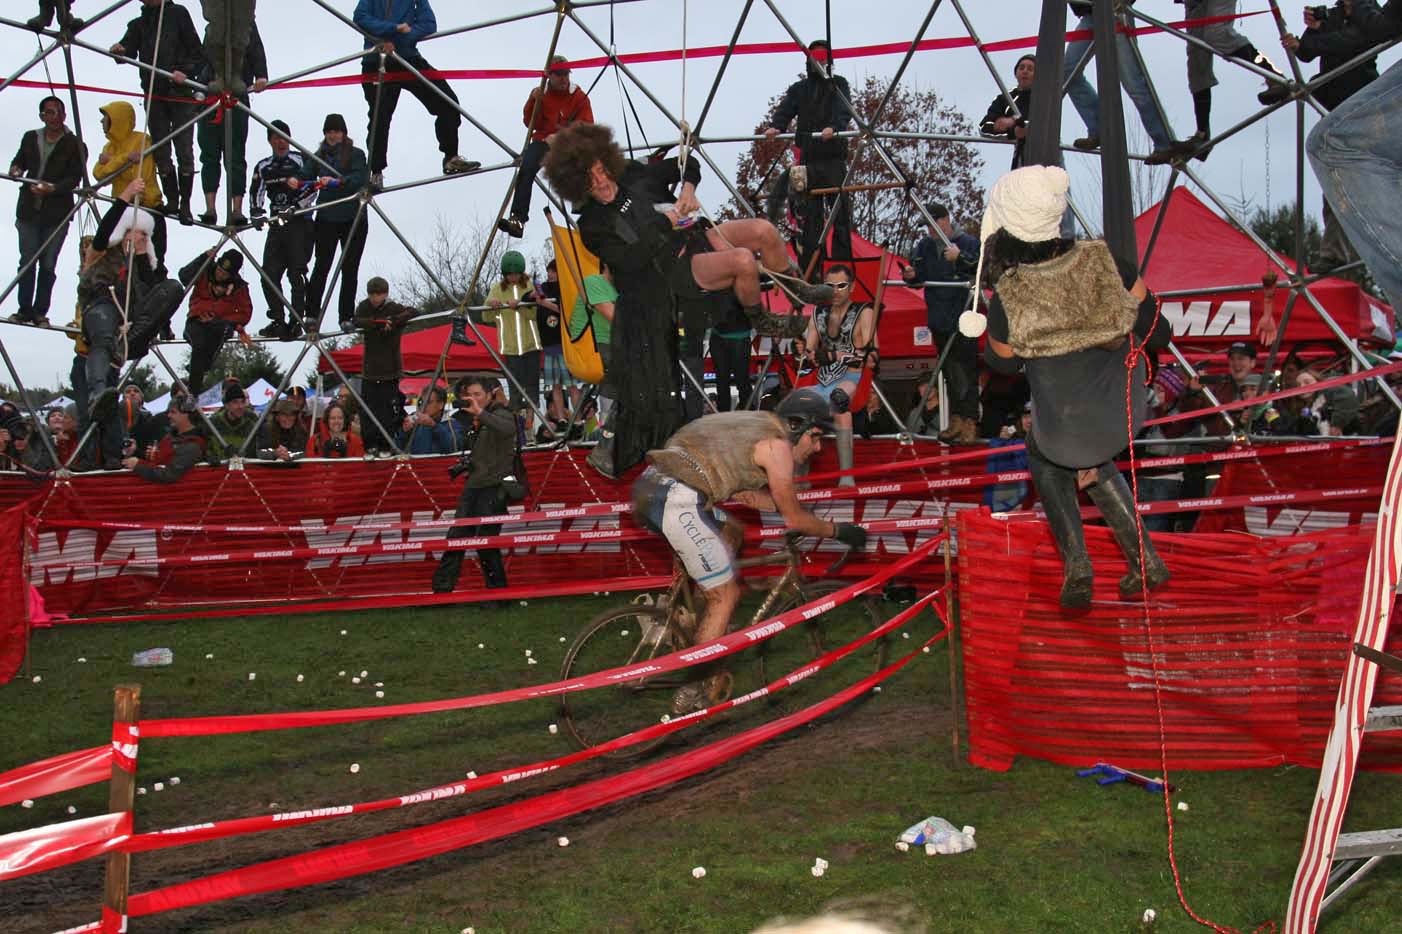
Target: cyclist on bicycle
x: 749, y: 457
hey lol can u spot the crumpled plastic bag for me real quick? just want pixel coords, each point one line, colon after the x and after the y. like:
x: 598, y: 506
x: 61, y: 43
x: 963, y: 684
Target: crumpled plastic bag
x: 939, y: 836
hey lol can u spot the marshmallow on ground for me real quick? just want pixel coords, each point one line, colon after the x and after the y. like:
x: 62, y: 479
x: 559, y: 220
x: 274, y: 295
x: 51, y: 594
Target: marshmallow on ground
x: 159, y: 786
x: 563, y: 841
x: 38, y: 678
x: 699, y: 872
x: 355, y: 680
x: 379, y: 693
x: 902, y: 846
x: 300, y: 679
x: 481, y: 646
x: 355, y: 767
x: 27, y: 803
x: 554, y: 728
x: 530, y: 661
x: 209, y: 655
x: 343, y: 632
x: 820, y: 863
x: 253, y: 676
x: 528, y: 653
x: 175, y: 779
x: 818, y: 872
x: 471, y: 774
x: 72, y: 809
x: 364, y: 674
x: 81, y: 660
x: 1149, y: 915
x: 1182, y: 805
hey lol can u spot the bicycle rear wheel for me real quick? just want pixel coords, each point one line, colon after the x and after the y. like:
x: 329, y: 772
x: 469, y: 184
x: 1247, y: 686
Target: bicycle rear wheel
x: 624, y: 637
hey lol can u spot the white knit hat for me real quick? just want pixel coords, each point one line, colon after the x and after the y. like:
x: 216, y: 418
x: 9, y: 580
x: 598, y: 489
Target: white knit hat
x: 1028, y: 203
x: 137, y: 219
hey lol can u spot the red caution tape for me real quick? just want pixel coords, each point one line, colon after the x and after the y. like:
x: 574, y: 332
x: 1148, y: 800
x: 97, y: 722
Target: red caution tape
x: 717, y: 648
x: 218, y: 830
x: 56, y: 774
x: 44, y: 848
x: 405, y: 846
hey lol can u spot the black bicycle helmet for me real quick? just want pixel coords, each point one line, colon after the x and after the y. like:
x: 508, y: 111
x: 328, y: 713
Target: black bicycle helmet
x: 806, y: 409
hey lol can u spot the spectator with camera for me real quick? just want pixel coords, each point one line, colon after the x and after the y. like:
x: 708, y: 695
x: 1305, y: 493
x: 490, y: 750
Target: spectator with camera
x: 234, y: 422
x: 427, y: 431
x: 284, y: 437
x: 488, y: 463
x: 335, y: 438
x: 220, y: 306
x: 381, y: 322
x: 181, y: 449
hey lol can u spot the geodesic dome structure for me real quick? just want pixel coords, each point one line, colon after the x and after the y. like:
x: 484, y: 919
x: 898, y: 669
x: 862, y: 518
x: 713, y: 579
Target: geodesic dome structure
x: 582, y: 26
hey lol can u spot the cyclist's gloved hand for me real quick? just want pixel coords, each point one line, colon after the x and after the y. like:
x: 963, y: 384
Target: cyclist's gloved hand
x: 851, y: 535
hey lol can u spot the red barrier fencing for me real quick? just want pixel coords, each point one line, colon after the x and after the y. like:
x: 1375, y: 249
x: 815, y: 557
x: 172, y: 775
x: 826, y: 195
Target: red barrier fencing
x: 1252, y: 634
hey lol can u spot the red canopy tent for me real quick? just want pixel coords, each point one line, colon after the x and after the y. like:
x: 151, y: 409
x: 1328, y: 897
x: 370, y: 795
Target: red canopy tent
x: 421, y: 350
x: 1199, y: 251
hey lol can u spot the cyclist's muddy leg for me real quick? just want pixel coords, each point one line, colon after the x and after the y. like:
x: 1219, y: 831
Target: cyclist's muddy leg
x: 720, y: 606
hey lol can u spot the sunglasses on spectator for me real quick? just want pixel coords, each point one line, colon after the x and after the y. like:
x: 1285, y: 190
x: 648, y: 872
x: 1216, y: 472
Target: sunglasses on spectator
x: 50, y: 112
x: 839, y: 285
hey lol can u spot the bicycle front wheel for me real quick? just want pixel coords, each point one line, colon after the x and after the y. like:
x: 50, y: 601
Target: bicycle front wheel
x: 623, y: 638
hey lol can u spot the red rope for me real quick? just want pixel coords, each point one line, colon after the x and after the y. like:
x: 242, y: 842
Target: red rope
x: 1131, y: 360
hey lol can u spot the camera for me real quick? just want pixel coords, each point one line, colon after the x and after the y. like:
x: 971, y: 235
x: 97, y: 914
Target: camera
x: 1320, y: 13
x: 336, y: 447
x: 464, y: 465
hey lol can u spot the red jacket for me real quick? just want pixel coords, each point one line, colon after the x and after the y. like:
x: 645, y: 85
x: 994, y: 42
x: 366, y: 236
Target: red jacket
x: 355, y: 447
x: 235, y: 308
x: 557, y: 111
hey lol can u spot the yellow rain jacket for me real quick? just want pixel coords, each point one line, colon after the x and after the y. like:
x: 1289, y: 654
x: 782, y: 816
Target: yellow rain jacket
x: 123, y: 140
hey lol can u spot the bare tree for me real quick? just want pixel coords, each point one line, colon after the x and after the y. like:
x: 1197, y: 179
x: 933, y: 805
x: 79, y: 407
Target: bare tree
x: 451, y: 253
x: 943, y: 171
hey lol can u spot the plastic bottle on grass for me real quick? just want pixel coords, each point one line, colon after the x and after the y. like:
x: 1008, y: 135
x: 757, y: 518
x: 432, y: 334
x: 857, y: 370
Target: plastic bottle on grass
x: 938, y: 835
x: 152, y: 658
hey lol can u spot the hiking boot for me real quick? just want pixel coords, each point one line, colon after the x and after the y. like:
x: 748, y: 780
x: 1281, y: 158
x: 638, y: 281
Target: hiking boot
x: 457, y: 165
x: 770, y: 324
x: 209, y: 218
x: 959, y: 431
x: 274, y: 329
x: 40, y: 321
x: 601, y: 459
x: 512, y: 226
x: 1087, y: 144
x: 1274, y: 94
x: 20, y: 318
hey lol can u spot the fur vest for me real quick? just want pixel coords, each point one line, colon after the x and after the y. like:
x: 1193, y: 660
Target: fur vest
x: 1072, y: 302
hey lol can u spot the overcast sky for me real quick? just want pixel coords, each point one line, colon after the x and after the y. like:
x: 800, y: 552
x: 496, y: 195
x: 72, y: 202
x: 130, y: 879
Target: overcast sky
x: 1258, y: 164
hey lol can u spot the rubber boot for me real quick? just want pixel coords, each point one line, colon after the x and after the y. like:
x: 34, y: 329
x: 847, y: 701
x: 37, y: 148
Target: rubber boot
x: 810, y: 293
x: 769, y: 324
x: 844, y: 455
x: 187, y: 191
x: 1057, y: 488
x: 170, y: 187
x: 1113, y: 498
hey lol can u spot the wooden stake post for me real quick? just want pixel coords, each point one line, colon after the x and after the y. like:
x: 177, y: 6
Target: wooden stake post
x: 126, y: 711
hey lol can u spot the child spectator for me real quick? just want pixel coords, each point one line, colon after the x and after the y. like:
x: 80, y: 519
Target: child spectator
x: 382, y: 322
x: 558, y: 379
x: 518, y: 339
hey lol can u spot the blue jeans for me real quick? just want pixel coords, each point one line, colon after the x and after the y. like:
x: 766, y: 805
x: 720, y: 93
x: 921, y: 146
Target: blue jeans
x: 101, y: 324
x: 1354, y: 153
x: 1156, y: 490
x: 1136, y: 85
x: 36, y: 283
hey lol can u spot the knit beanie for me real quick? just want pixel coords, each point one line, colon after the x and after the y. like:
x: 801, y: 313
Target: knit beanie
x: 1028, y: 203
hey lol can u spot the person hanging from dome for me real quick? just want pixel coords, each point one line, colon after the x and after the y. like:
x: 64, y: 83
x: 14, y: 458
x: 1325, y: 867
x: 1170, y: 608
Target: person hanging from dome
x: 1073, y: 317
x: 639, y: 218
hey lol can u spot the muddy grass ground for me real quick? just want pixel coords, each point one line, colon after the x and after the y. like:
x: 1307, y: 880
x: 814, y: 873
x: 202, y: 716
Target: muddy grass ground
x: 1056, y: 853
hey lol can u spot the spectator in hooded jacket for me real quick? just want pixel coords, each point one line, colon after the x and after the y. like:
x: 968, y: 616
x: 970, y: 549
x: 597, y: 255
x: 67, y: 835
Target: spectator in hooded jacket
x: 121, y: 163
x: 172, y: 105
x: 336, y: 223
x: 50, y: 160
x: 219, y: 306
x: 234, y: 422
x: 562, y: 104
x: 396, y: 26
x: 178, y: 451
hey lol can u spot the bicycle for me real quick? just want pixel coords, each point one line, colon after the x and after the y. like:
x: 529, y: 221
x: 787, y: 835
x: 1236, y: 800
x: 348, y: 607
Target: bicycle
x: 634, y: 633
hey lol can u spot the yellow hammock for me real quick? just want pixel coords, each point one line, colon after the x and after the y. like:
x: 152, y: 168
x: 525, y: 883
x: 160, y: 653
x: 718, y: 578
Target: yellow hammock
x: 575, y: 263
